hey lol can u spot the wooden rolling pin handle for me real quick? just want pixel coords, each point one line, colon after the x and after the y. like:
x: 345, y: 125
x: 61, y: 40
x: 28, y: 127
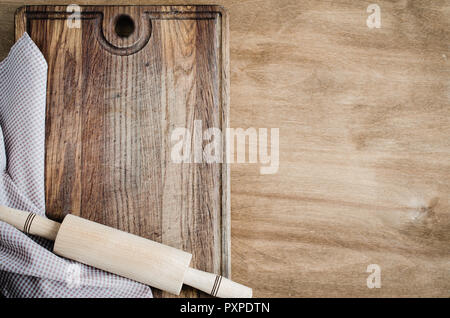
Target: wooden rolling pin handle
x: 30, y: 223
x: 215, y: 285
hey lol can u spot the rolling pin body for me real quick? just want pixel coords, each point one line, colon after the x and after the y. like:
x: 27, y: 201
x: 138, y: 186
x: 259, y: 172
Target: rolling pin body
x: 124, y: 254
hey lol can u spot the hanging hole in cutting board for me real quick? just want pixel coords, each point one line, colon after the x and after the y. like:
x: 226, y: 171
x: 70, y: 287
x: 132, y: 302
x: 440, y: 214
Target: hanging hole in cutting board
x: 123, y: 34
x: 124, y: 26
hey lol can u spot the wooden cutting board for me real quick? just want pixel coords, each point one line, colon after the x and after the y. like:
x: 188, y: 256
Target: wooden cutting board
x: 120, y: 80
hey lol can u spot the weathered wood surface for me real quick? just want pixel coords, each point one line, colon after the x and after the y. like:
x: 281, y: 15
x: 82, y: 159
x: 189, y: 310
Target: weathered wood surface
x: 364, y: 118
x: 112, y: 104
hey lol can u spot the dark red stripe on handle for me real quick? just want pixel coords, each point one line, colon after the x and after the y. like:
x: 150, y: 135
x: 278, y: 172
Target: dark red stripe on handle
x: 28, y: 222
x: 216, y: 286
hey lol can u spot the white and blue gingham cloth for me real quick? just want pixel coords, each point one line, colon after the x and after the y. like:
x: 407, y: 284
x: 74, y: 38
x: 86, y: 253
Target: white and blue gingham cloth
x: 28, y: 268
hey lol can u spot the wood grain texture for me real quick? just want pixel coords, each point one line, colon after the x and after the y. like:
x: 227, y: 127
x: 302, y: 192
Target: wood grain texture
x: 112, y: 105
x: 364, y: 155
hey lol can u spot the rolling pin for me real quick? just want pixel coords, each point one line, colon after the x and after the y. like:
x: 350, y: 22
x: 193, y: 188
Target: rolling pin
x: 124, y: 254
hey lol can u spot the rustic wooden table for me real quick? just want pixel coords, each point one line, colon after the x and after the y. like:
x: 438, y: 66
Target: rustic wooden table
x: 364, y: 119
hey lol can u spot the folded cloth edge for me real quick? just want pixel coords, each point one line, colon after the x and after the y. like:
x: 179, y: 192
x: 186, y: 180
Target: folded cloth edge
x: 27, y: 267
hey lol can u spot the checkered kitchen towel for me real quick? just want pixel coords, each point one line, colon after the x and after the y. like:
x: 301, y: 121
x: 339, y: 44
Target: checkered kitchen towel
x: 28, y: 268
